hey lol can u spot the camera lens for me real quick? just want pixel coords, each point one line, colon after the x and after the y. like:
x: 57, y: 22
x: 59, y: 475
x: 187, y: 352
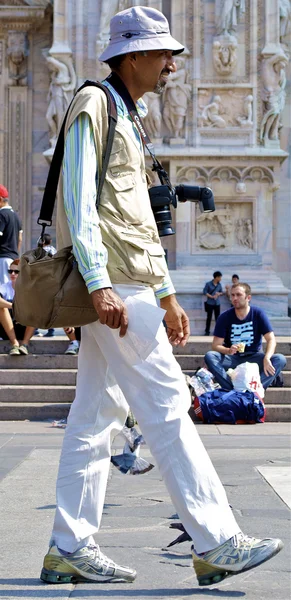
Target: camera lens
x: 161, y: 199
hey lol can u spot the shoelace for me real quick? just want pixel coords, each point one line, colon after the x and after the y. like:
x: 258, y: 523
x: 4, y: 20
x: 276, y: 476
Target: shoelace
x: 240, y: 538
x: 97, y: 554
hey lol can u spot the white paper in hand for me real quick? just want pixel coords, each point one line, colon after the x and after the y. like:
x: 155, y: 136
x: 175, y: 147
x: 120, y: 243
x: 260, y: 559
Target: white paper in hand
x: 144, y: 320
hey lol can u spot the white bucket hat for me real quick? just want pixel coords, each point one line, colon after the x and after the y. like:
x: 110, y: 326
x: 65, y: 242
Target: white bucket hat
x: 137, y: 29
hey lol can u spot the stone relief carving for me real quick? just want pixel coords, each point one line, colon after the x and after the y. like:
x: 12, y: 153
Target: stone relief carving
x: 153, y: 119
x: 273, y: 96
x: 175, y: 99
x: 17, y: 52
x: 61, y: 91
x: 224, y: 55
x: 247, y: 118
x: 211, y: 114
x: 225, y: 229
x: 285, y: 17
x: 205, y: 176
x: 223, y: 108
x: 244, y: 232
x: 227, y: 16
x: 214, y: 229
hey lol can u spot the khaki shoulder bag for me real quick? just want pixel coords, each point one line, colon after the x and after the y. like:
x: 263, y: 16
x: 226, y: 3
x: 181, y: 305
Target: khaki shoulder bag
x: 50, y: 291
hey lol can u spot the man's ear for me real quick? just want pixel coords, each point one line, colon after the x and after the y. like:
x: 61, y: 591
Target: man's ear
x: 132, y: 57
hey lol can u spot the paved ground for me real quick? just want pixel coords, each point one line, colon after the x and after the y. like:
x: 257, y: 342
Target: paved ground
x: 252, y: 462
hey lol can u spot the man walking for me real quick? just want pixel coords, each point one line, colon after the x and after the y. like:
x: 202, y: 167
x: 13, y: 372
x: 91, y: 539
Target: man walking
x: 238, y: 339
x: 122, y: 261
x: 212, y: 290
x: 10, y: 235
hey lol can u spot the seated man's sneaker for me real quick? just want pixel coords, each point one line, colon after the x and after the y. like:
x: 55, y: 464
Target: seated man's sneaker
x: 73, y: 348
x: 88, y: 564
x: 14, y: 351
x: 23, y: 349
x: 235, y: 556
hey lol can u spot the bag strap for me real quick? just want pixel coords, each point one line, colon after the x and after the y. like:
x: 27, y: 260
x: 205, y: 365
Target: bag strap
x: 49, y: 196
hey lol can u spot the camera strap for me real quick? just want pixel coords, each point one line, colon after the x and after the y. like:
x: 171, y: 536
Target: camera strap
x: 122, y: 90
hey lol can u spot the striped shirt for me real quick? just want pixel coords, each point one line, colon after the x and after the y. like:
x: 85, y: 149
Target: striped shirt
x: 80, y: 181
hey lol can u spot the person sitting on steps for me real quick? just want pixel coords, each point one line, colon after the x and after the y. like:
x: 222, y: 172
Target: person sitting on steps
x: 238, y: 339
x: 9, y: 329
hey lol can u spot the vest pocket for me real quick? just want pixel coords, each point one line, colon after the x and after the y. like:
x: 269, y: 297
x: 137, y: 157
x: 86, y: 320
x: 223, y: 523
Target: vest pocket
x: 134, y: 209
x: 144, y: 259
x: 119, y: 154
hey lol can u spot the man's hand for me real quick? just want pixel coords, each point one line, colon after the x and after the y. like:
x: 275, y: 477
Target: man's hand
x: 268, y: 367
x: 110, y: 309
x: 232, y: 350
x: 178, y: 329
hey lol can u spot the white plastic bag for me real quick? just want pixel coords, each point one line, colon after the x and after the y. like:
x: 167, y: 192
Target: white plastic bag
x: 247, y: 377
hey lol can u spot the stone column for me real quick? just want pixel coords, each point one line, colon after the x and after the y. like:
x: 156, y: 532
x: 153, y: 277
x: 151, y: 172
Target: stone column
x: 272, y: 27
x: 19, y: 124
x: 62, y: 73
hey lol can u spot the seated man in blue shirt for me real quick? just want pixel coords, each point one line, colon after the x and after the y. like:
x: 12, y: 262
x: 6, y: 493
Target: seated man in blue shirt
x: 238, y: 339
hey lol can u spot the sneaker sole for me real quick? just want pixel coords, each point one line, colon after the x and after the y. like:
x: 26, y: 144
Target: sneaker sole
x: 218, y: 575
x: 55, y: 577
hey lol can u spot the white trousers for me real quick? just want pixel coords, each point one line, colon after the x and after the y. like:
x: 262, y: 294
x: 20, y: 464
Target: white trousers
x: 156, y: 391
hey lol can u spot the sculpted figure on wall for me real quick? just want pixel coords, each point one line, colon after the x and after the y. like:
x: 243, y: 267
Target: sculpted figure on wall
x: 285, y: 17
x: 244, y: 233
x: 224, y: 56
x: 61, y: 91
x: 17, y: 52
x: 214, y: 230
x: 273, y: 95
x: 210, y: 116
x: 154, y: 117
x: 227, y: 15
x: 247, y: 118
x: 175, y: 99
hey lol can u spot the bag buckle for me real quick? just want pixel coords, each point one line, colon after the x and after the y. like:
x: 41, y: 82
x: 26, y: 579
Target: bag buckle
x: 43, y: 224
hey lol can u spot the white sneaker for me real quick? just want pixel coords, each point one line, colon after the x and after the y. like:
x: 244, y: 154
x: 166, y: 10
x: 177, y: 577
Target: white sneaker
x: 238, y: 554
x: 88, y: 564
x: 73, y: 348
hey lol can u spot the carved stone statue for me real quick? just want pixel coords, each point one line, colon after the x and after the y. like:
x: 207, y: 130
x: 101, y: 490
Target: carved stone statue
x: 17, y: 52
x: 273, y: 94
x: 61, y: 91
x: 227, y: 15
x: 154, y: 117
x: 247, y: 118
x: 285, y: 17
x: 249, y: 234
x: 210, y: 116
x: 244, y: 233
x: 224, y: 56
x: 240, y: 232
x: 175, y: 98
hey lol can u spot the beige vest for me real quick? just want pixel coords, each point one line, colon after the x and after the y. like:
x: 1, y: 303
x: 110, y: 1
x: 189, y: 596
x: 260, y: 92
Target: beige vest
x: 129, y: 232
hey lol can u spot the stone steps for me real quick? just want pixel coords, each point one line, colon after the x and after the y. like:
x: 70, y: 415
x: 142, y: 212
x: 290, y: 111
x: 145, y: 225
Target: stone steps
x: 37, y: 377
x: 42, y: 384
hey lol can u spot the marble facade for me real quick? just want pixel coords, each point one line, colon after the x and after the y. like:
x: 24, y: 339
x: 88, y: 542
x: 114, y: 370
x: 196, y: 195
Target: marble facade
x: 223, y: 122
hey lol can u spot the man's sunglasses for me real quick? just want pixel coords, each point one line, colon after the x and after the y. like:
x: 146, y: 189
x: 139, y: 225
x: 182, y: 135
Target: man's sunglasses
x: 10, y: 271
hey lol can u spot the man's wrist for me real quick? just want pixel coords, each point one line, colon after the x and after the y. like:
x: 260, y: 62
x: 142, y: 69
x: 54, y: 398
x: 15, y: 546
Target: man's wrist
x: 168, y: 300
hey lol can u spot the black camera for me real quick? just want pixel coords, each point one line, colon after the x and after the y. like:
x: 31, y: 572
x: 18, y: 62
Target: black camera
x: 163, y: 196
